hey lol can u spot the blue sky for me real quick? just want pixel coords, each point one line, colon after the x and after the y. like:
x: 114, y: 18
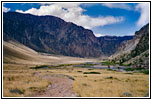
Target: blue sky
x: 102, y: 18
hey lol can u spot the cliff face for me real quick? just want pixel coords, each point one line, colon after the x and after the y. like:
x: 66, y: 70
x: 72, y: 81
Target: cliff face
x: 135, y: 51
x: 50, y: 34
x: 110, y: 44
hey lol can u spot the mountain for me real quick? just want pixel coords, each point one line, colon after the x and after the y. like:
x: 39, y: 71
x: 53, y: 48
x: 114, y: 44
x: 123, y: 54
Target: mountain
x: 135, y: 51
x: 53, y: 35
x: 110, y: 44
x: 50, y: 34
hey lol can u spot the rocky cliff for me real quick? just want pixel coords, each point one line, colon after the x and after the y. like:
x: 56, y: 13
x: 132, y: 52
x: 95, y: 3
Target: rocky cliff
x: 51, y: 35
x: 110, y: 44
x: 135, y: 51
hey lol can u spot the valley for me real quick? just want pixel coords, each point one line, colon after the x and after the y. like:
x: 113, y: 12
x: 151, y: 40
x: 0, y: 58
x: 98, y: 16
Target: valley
x: 45, y: 56
x: 45, y: 75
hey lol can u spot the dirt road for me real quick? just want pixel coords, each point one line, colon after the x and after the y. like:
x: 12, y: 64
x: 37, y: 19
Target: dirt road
x: 61, y: 86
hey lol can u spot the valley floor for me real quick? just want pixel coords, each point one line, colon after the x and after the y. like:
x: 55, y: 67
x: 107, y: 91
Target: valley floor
x: 68, y: 81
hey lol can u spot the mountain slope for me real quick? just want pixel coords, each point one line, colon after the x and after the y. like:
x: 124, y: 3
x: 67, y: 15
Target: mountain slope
x: 110, y: 44
x: 51, y: 35
x: 16, y: 53
x: 135, y: 51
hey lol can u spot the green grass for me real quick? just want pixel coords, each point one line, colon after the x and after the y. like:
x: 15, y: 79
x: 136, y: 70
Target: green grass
x: 89, y: 64
x: 51, y: 66
x: 145, y: 71
x: 133, y: 69
x: 126, y: 64
x: 90, y: 69
x: 141, y: 70
x: 106, y: 63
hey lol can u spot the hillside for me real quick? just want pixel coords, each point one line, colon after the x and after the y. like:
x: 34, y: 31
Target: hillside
x: 110, y: 44
x: 135, y: 51
x: 50, y: 34
x: 17, y: 53
x: 53, y: 35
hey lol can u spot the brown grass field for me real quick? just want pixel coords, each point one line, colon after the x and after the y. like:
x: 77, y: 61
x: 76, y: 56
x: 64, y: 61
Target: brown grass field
x: 19, y: 79
x: 106, y: 84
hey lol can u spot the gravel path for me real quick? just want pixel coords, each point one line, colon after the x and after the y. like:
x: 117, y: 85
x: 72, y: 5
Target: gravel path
x: 61, y: 86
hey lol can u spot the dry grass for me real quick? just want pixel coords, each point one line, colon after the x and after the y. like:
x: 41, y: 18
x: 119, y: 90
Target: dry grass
x: 22, y: 80
x: 19, y: 54
x: 111, y: 85
x: 106, y: 84
x: 19, y: 80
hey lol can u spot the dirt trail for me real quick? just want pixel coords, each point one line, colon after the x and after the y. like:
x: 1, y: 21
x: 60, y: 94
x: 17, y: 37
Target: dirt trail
x: 61, y: 86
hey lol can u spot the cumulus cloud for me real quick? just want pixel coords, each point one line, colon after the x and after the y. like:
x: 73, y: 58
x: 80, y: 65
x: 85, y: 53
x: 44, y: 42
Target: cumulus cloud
x: 117, y: 5
x: 143, y: 8
x: 6, y: 9
x: 73, y: 13
x: 98, y: 35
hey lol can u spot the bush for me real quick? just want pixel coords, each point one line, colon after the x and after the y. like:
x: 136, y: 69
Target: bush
x: 39, y: 67
x: 90, y: 69
x: 91, y: 73
x: 126, y: 94
x: 79, y: 71
x: 132, y: 69
x: 146, y: 94
x: 145, y: 71
x: 16, y: 91
x: 107, y: 63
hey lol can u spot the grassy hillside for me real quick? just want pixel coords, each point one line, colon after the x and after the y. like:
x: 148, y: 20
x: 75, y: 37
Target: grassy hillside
x: 14, y: 52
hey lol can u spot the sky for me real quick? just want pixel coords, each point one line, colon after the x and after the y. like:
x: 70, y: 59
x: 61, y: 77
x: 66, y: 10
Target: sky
x: 114, y: 19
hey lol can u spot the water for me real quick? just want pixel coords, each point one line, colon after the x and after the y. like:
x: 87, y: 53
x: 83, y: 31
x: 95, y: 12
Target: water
x: 99, y: 66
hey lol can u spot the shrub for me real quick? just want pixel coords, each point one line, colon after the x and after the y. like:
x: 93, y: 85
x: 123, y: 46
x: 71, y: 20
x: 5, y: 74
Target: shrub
x: 106, y: 63
x: 126, y: 94
x: 90, y: 69
x: 145, y: 71
x: 132, y: 69
x: 16, y: 91
x: 39, y: 67
x: 79, y: 71
x: 91, y: 73
x: 146, y: 94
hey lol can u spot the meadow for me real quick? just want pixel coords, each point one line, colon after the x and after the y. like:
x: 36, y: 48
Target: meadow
x: 21, y: 81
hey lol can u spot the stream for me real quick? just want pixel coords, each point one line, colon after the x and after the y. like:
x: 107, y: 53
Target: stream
x: 100, y: 66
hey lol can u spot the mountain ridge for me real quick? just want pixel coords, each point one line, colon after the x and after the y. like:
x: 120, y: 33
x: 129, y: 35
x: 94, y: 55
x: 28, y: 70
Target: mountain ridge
x: 109, y: 44
x: 53, y: 35
x: 135, y: 51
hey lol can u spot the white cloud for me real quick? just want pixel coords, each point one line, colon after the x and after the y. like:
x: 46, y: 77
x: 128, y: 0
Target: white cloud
x: 117, y: 5
x: 72, y: 12
x: 143, y: 8
x: 6, y: 9
x: 98, y: 35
